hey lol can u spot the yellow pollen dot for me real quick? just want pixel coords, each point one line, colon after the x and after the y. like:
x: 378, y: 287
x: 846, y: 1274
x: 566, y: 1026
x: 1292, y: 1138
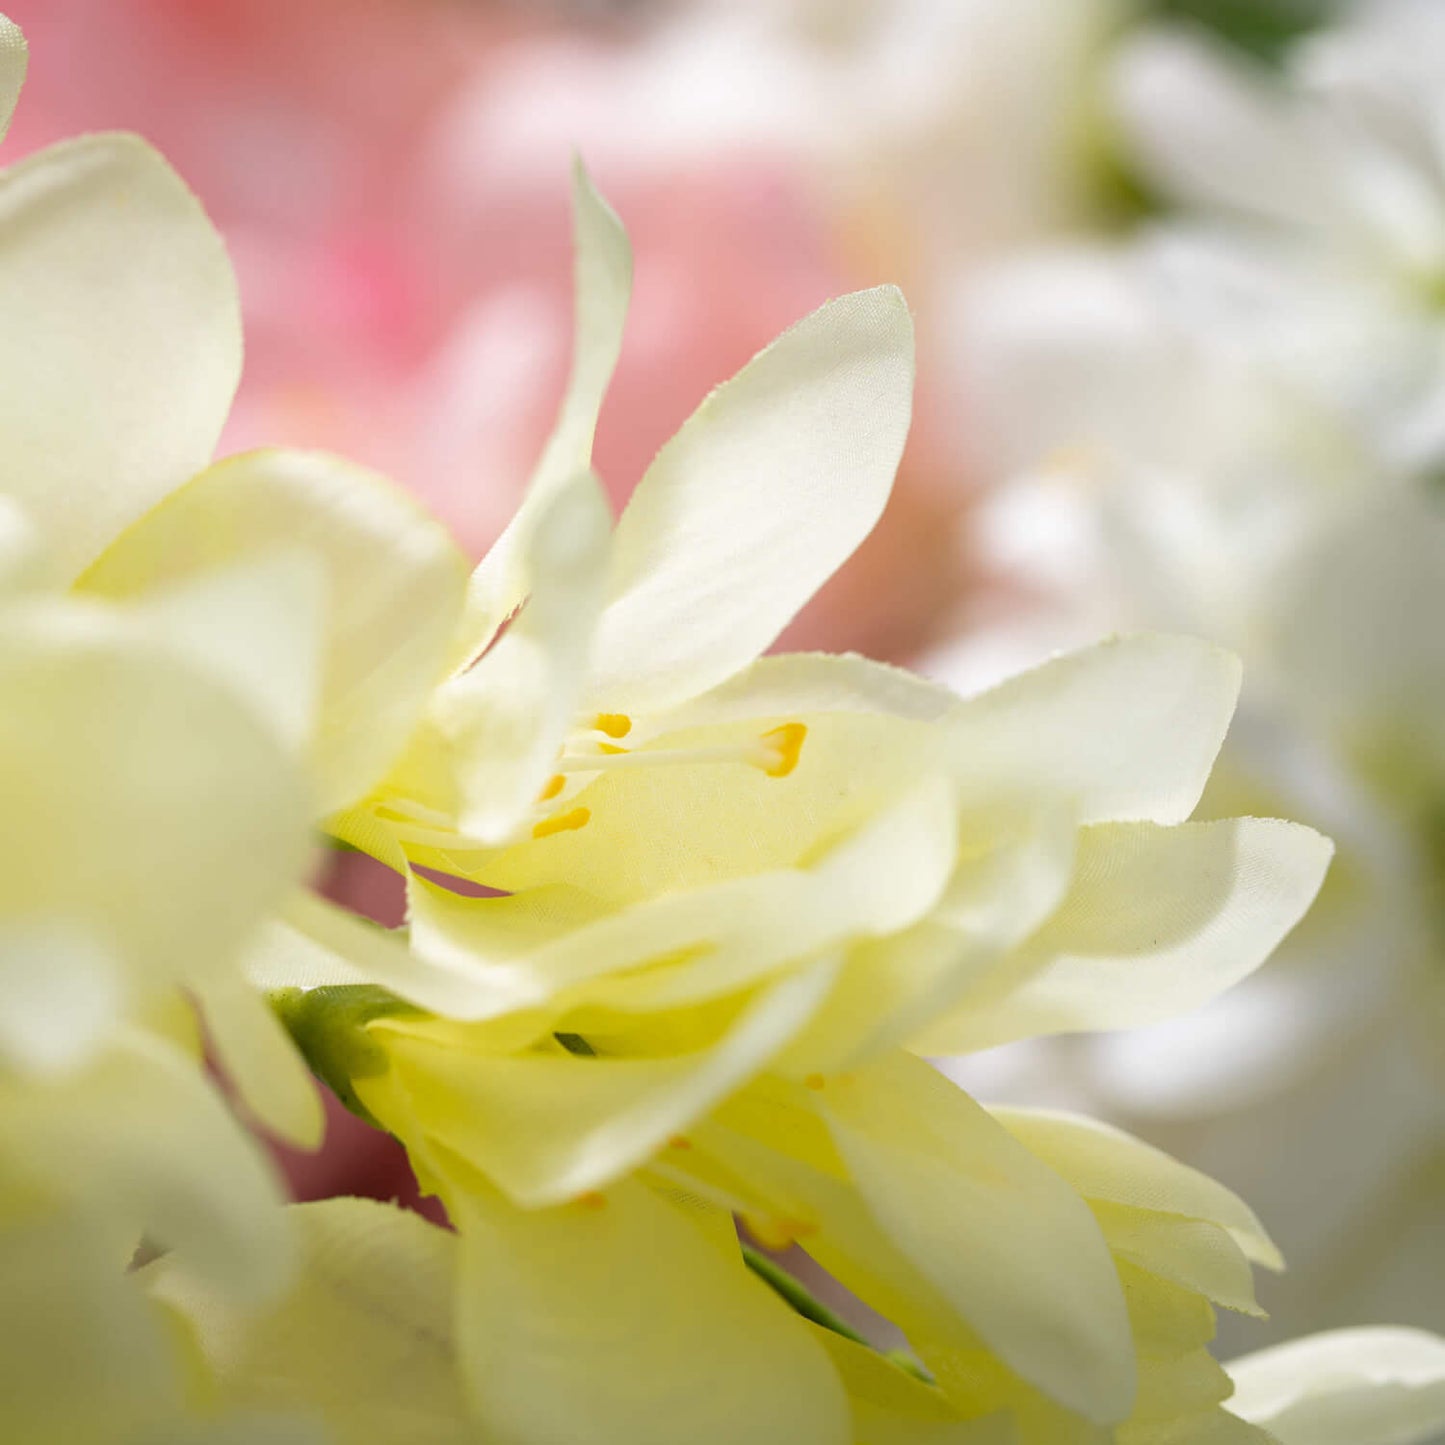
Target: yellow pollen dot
x: 814, y: 1081
x: 592, y: 1200
x: 562, y: 823
x: 787, y: 743
x: 555, y: 784
x: 614, y: 724
x: 679, y: 1141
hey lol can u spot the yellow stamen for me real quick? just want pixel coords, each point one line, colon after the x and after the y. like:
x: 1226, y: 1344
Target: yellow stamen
x: 562, y: 823
x: 775, y: 752
x: 555, y: 784
x: 814, y: 1081
x: 614, y: 724
x: 787, y: 741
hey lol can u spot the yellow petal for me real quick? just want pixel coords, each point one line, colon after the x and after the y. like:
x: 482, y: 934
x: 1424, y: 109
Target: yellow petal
x: 547, y: 1128
x: 122, y: 343
x: 1004, y: 1238
x: 1108, y: 1165
x: 616, y: 1322
x: 363, y: 1340
x: 1158, y: 921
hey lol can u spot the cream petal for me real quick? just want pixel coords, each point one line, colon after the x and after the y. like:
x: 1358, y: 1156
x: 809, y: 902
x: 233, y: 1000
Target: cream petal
x: 1108, y: 1165
x: 1013, y: 1248
x: 723, y: 938
x: 547, y: 1128
x: 1380, y: 1386
x: 1157, y: 922
x: 800, y: 684
x: 602, y: 288
x: 363, y: 1340
x: 394, y: 584
x: 147, y: 1145
x: 505, y: 719
x: 256, y: 626
x: 122, y: 343
x: 622, y: 1325
x: 758, y: 499
x: 1129, y: 728
x: 12, y: 70
x: 170, y: 836
x: 63, y: 994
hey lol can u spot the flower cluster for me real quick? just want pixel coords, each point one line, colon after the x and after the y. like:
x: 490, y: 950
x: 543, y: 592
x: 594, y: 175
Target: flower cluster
x: 683, y: 922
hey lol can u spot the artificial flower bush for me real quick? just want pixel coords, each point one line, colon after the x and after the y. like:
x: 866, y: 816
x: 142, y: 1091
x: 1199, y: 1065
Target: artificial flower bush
x: 682, y: 920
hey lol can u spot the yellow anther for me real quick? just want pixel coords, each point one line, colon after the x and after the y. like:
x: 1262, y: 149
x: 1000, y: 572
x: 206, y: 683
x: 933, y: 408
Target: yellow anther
x: 555, y: 784
x: 610, y: 748
x: 614, y: 724
x: 786, y: 744
x: 592, y: 1200
x: 770, y: 1232
x: 814, y: 1081
x: 562, y: 823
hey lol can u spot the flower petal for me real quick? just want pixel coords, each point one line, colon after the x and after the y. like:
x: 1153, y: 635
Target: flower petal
x: 122, y: 340
x: 363, y: 1339
x: 505, y: 719
x: 755, y: 503
x: 547, y: 1128
x: 1158, y: 921
x: 172, y: 834
x: 394, y: 588
x: 1126, y: 729
x: 1108, y: 1165
x: 1349, y: 1387
x: 602, y: 287
x: 1012, y: 1247
x: 622, y: 1325
x: 63, y: 995
x: 261, y: 1062
x: 12, y: 70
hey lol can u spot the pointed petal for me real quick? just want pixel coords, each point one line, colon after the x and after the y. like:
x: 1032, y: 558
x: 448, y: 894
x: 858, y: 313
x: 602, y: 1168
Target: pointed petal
x: 63, y: 994
x: 1013, y: 1248
x: 759, y: 498
x: 12, y: 70
x: 394, y: 582
x: 602, y: 284
x: 622, y: 1325
x: 1128, y: 729
x: 1158, y: 921
x: 505, y: 719
x: 1108, y: 1165
x: 122, y: 343
x: 1384, y: 1386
